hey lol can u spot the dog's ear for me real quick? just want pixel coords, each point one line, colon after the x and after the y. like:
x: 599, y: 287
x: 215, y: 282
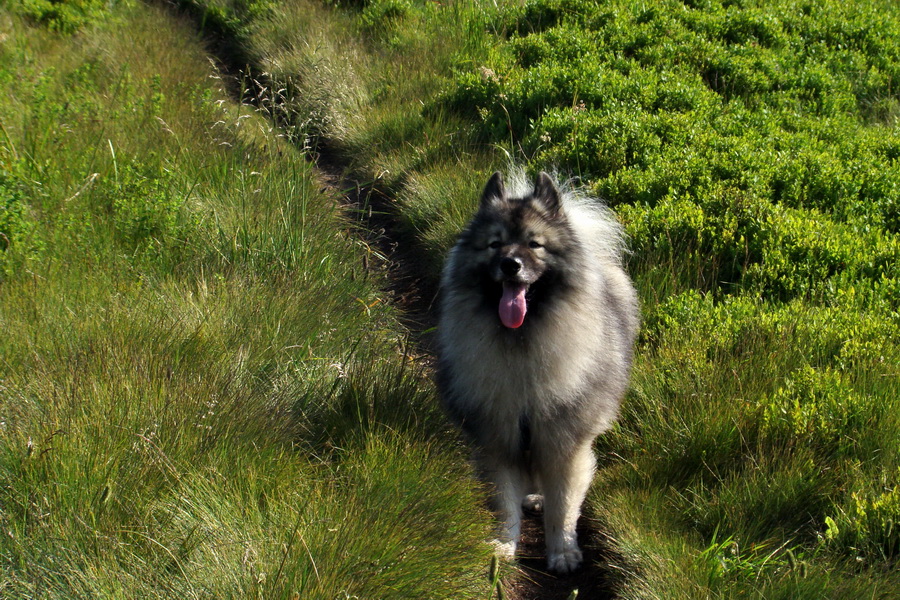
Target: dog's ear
x: 546, y: 192
x: 494, y: 190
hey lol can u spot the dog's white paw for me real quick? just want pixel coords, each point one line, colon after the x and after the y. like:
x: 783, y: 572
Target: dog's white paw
x: 505, y: 550
x: 566, y: 561
x: 533, y: 503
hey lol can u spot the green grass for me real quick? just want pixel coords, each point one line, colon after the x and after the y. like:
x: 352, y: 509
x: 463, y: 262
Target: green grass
x: 202, y: 390
x: 202, y: 382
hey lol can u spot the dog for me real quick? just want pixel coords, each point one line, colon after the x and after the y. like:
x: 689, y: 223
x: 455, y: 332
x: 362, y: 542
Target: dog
x: 536, y: 332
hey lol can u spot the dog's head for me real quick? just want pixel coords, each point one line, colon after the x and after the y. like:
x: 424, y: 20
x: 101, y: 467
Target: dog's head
x: 518, y: 242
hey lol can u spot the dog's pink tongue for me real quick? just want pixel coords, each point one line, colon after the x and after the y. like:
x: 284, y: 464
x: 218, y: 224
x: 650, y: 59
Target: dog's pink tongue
x: 512, y: 304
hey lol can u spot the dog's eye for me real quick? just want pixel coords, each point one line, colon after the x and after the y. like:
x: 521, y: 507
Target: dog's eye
x: 496, y: 244
x: 535, y: 244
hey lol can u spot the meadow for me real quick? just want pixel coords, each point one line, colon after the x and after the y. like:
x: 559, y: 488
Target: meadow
x: 205, y: 392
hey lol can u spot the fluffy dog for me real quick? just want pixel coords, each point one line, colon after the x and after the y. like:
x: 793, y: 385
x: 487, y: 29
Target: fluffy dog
x: 536, y: 333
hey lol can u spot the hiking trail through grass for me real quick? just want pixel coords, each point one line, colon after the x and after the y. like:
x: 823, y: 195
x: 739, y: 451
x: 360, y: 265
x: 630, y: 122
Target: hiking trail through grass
x: 391, y: 253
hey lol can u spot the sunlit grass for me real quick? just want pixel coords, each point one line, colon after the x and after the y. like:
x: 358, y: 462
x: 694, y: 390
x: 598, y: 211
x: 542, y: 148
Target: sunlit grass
x: 202, y: 392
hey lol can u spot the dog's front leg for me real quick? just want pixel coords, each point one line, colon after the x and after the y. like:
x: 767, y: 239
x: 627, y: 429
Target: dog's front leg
x: 567, y: 476
x: 507, y: 501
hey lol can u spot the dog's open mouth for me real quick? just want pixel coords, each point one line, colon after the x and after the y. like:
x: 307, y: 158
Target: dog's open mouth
x: 512, y: 304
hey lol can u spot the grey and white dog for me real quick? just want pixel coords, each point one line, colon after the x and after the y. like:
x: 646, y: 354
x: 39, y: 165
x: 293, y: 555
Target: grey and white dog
x: 537, y: 327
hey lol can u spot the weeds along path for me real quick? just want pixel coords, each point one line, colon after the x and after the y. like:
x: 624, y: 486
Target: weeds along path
x: 392, y: 255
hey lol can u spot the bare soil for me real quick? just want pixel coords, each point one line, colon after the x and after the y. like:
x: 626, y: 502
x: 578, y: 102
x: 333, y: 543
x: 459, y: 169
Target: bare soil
x: 593, y: 581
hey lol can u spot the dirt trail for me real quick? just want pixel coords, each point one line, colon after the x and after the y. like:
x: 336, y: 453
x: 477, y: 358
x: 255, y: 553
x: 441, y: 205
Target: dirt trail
x: 408, y: 289
x: 593, y: 582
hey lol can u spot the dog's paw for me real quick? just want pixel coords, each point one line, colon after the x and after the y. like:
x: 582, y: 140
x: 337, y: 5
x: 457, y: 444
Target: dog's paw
x: 505, y: 550
x: 566, y: 561
x: 533, y: 503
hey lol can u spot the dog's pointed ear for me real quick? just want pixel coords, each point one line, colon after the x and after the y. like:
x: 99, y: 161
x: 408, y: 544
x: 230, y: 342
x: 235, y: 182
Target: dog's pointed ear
x: 546, y: 192
x: 494, y: 190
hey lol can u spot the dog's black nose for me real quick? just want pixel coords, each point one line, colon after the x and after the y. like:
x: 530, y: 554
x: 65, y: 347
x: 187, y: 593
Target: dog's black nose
x: 510, y: 266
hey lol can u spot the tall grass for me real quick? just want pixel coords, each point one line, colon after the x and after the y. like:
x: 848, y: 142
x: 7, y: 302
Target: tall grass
x: 202, y: 391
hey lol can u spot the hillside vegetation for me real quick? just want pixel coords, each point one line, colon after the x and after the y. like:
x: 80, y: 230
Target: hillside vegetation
x: 200, y: 279
x: 202, y: 392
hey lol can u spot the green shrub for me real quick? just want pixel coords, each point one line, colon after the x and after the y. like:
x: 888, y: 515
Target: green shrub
x: 17, y: 227
x: 818, y: 409
x: 146, y: 206
x: 379, y: 15
x: 869, y: 525
x: 742, y: 144
x: 65, y: 16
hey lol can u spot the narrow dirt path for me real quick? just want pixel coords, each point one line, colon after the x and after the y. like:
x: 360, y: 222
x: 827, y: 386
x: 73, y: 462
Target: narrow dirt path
x: 593, y: 581
x: 409, y: 291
